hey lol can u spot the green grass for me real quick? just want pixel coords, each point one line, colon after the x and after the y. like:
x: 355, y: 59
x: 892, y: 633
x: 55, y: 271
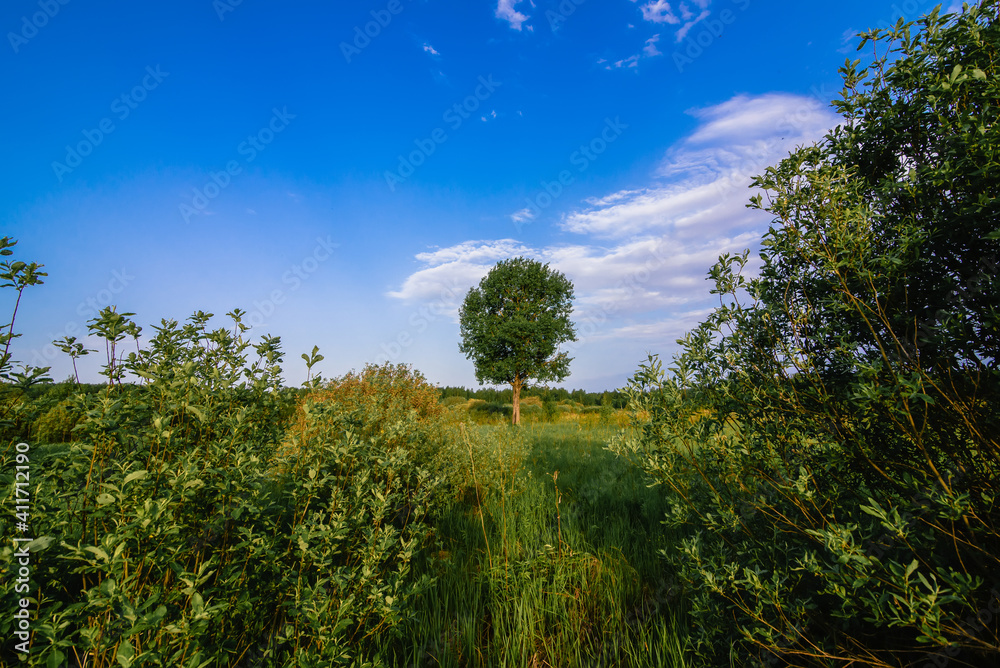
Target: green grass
x: 543, y: 570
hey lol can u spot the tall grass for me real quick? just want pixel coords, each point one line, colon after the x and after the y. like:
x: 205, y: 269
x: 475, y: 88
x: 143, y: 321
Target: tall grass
x: 554, y: 563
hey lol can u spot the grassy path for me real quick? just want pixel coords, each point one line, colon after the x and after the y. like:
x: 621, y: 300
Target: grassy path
x: 542, y: 568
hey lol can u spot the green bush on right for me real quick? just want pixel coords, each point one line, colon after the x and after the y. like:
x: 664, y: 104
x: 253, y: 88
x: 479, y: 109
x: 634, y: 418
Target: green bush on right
x: 828, y: 438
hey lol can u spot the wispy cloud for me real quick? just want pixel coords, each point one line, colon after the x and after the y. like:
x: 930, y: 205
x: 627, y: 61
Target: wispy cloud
x: 650, y: 49
x: 682, y: 33
x: 506, y: 11
x: 662, y: 12
x: 631, y: 61
x: 463, y: 264
x: 659, y: 11
x: 523, y: 215
x: 431, y: 50
x: 706, y: 175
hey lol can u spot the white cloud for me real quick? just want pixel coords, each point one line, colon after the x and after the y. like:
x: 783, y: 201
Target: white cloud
x: 707, y: 174
x: 650, y: 49
x: 458, y: 266
x: 431, y: 50
x: 523, y: 215
x: 631, y: 61
x: 659, y: 11
x: 506, y: 11
x: 767, y: 116
x: 682, y: 33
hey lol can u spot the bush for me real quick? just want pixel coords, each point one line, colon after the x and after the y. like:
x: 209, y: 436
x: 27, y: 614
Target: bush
x: 212, y: 517
x: 391, y: 403
x: 827, y: 438
x: 492, y: 409
x: 550, y: 409
x: 56, y: 425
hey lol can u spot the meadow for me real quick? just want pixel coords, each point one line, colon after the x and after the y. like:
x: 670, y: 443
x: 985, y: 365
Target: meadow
x: 552, y: 563
x: 811, y: 481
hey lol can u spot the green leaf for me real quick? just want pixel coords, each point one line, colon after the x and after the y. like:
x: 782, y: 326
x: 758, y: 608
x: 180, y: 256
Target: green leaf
x: 135, y: 475
x: 197, y: 412
x: 104, y: 499
x: 40, y: 543
x: 98, y: 552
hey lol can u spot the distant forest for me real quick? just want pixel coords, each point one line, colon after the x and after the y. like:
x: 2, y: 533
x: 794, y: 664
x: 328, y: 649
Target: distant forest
x: 614, y: 398
x: 55, y: 392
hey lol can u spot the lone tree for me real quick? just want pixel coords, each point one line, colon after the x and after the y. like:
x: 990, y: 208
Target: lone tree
x: 513, y: 325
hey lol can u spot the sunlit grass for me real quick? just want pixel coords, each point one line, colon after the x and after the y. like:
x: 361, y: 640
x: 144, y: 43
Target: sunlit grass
x: 550, y: 569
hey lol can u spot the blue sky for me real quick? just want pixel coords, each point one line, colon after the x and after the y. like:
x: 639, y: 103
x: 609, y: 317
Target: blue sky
x: 346, y: 172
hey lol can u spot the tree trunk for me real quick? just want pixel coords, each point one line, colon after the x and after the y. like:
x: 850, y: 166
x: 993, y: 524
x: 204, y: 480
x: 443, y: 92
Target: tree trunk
x: 516, y: 386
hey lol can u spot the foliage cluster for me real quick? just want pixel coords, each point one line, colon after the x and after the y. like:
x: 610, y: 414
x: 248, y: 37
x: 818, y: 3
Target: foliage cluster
x: 828, y: 437
x: 209, y: 516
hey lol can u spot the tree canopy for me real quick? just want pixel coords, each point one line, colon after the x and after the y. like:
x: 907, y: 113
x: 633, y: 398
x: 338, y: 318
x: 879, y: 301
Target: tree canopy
x: 513, y: 323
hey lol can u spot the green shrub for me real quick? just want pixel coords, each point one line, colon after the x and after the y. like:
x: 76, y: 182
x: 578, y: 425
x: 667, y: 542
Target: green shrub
x: 492, y: 409
x: 56, y: 425
x: 550, y: 409
x: 827, y: 437
x: 448, y: 402
x: 200, y: 520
